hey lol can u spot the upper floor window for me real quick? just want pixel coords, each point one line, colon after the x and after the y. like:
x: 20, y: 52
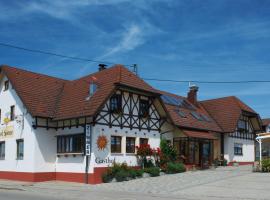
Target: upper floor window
x: 242, y: 125
x: 20, y: 149
x: 12, y: 113
x: 2, y: 150
x: 116, y: 103
x: 238, y: 149
x: 144, y: 108
x: 6, y: 85
x: 70, y: 143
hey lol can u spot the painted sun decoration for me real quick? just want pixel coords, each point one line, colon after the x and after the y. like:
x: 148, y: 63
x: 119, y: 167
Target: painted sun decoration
x: 102, y: 142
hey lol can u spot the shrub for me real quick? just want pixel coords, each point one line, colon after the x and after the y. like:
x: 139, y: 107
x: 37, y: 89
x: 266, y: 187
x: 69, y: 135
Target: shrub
x: 153, y: 171
x: 173, y: 168
x: 168, y: 152
x: 107, y: 176
x: 132, y: 173
x: 266, y: 165
x: 139, y: 172
x: 121, y: 175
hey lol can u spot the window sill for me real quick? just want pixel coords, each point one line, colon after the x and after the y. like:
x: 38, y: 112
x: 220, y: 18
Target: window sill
x: 238, y: 154
x: 131, y: 154
x: 117, y: 154
x: 69, y: 154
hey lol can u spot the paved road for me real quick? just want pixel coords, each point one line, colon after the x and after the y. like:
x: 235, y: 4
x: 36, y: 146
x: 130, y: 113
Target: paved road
x: 222, y: 183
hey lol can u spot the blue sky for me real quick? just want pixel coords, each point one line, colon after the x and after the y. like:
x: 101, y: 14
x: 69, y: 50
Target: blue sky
x: 224, y: 40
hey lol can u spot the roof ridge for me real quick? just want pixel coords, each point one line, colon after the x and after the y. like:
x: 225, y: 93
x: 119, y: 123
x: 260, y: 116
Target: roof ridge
x: 28, y: 71
x: 219, y: 98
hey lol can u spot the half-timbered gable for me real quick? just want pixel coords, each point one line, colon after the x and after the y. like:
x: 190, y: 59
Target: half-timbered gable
x: 128, y: 109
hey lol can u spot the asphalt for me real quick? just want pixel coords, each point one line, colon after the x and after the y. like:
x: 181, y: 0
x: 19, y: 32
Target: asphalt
x: 222, y: 183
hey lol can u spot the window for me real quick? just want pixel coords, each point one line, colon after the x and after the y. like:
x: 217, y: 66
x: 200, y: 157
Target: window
x: 2, y: 150
x: 6, y: 85
x: 116, y: 103
x: 181, y: 113
x: 242, y: 125
x: 130, y: 145
x: 70, y: 143
x: 20, y: 149
x: 238, y: 149
x: 143, y: 141
x: 12, y: 113
x: 144, y: 108
x: 116, y: 142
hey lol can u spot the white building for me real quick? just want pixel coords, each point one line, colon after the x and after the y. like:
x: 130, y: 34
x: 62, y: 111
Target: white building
x: 43, y: 122
x: 50, y: 125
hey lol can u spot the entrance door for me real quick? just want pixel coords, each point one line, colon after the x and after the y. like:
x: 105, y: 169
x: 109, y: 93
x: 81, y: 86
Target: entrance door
x: 205, y: 154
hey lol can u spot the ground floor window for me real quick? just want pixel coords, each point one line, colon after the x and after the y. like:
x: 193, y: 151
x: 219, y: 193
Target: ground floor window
x: 2, y: 150
x: 130, y: 145
x: 238, y: 149
x: 20, y: 149
x: 70, y: 143
x: 116, y: 143
x: 143, y: 141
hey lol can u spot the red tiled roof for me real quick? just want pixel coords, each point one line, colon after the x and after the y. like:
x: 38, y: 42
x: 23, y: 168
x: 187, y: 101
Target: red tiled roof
x: 200, y: 134
x: 38, y: 92
x: 189, y: 121
x: 47, y: 96
x: 226, y: 111
x: 266, y: 122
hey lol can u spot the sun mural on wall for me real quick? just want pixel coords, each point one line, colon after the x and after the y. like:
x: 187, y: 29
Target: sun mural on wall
x: 102, y: 142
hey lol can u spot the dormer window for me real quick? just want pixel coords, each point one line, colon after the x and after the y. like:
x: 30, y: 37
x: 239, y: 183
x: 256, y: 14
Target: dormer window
x: 144, y: 108
x: 6, y: 85
x: 116, y: 103
x: 92, y: 88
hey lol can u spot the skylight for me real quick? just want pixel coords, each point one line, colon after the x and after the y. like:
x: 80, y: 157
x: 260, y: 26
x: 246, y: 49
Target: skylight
x: 181, y: 113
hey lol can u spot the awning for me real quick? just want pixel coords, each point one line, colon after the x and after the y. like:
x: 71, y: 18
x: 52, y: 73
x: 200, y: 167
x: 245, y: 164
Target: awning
x: 200, y: 134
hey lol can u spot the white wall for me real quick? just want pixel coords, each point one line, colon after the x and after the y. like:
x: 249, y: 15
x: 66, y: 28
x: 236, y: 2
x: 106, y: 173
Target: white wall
x: 22, y: 130
x: 248, y: 149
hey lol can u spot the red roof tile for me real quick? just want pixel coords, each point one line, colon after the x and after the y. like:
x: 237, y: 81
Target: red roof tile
x: 189, y: 121
x: 226, y: 111
x: 265, y: 122
x: 47, y: 96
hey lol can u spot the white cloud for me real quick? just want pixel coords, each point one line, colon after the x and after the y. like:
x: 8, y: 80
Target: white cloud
x: 132, y: 37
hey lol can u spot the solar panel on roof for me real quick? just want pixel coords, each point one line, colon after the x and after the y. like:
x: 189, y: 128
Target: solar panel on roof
x: 177, y: 102
x: 205, y: 118
x: 181, y: 113
x: 196, y: 116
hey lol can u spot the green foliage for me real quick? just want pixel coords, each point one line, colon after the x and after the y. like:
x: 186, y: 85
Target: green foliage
x: 107, y: 176
x: 153, y: 171
x: 168, y: 153
x: 173, y: 168
x: 121, y: 172
x: 139, y: 173
x: 266, y: 165
x: 122, y: 175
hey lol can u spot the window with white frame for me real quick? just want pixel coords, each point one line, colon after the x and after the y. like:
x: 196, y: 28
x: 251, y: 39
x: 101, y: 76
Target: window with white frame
x: 20, y: 149
x: 116, y: 144
x: 130, y: 144
x: 238, y: 149
x: 2, y: 150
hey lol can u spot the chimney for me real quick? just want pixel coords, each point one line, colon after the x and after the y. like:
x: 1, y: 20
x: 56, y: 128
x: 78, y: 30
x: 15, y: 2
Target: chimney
x: 192, y: 94
x: 101, y: 67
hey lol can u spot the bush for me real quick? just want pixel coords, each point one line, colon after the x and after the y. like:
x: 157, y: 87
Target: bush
x: 121, y: 175
x: 139, y: 173
x: 266, y: 165
x: 153, y: 171
x: 132, y: 173
x: 173, y: 168
x: 168, y: 153
x: 107, y: 176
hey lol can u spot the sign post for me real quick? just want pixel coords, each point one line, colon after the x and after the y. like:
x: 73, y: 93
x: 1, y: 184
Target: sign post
x: 88, y: 135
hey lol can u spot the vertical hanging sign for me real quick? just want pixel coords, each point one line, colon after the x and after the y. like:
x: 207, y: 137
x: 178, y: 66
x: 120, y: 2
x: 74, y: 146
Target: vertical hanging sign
x: 88, y: 130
